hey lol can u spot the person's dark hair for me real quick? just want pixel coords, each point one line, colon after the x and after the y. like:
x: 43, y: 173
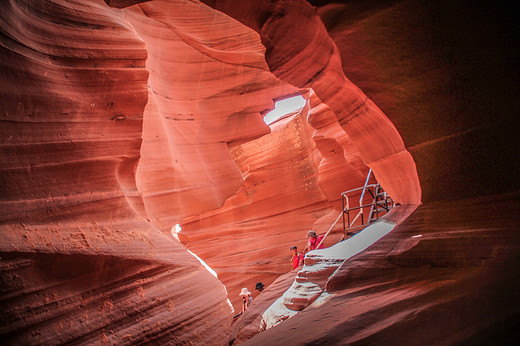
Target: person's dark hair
x: 294, y: 247
x: 312, y: 234
x: 259, y: 285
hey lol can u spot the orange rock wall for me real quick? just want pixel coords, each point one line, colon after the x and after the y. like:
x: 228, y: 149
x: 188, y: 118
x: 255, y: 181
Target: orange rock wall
x: 300, y: 51
x: 75, y: 240
x: 444, y: 79
x: 248, y: 239
x: 185, y: 165
x: 445, y: 74
x: 121, y: 120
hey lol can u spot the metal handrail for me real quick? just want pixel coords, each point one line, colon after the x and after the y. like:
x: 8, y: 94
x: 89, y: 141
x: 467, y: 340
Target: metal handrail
x: 366, y: 205
x: 346, y: 206
x: 330, y: 229
x: 343, y: 209
x: 360, y: 188
x: 374, y: 206
x: 345, y: 194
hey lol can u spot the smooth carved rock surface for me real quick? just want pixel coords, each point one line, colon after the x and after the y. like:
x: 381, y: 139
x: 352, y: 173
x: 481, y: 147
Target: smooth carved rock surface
x: 446, y: 83
x: 340, y: 158
x: 122, y: 118
x: 207, y: 89
x: 322, y: 266
x: 132, y: 120
x: 431, y: 280
x: 88, y: 138
x: 248, y: 239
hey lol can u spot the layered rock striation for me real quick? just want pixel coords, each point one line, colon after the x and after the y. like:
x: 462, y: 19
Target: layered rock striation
x: 446, y: 83
x: 83, y: 258
x: 122, y: 118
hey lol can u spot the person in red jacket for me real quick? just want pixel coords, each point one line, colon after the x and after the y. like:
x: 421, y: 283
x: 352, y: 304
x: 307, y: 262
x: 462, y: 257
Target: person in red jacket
x: 297, y: 258
x: 313, y: 242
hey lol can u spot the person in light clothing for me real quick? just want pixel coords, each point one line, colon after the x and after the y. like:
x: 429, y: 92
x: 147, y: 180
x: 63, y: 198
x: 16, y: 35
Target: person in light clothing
x: 246, y: 299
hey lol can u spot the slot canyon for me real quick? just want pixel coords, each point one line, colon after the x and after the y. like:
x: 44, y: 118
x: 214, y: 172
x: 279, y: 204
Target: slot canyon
x: 141, y: 189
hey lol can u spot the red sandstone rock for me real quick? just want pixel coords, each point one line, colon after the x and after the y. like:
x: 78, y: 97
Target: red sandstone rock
x: 248, y: 239
x: 80, y: 263
x: 249, y: 324
x: 185, y: 166
x: 340, y: 157
x: 119, y: 123
x: 299, y: 51
x: 441, y: 281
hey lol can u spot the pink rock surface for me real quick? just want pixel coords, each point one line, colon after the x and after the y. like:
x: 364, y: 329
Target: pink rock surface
x: 185, y: 166
x: 249, y: 323
x: 248, y: 239
x: 122, y: 118
x: 446, y: 275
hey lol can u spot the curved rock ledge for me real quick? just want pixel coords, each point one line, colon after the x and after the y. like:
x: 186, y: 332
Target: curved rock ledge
x: 321, y: 266
x: 122, y: 118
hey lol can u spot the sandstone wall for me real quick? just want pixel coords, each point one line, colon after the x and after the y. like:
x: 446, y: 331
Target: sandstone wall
x: 120, y: 121
x: 122, y: 118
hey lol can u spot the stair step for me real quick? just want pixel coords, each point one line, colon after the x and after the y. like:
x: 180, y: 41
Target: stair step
x: 381, y: 204
x: 379, y: 211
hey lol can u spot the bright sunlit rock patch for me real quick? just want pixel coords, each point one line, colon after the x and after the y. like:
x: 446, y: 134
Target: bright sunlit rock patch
x: 175, y: 230
x: 284, y: 107
x: 208, y: 268
x: 324, y: 260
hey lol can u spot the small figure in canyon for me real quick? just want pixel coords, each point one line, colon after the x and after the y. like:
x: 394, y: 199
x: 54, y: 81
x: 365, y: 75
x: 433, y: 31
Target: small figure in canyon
x: 246, y: 299
x: 313, y: 242
x: 297, y: 258
x: 259, y: 286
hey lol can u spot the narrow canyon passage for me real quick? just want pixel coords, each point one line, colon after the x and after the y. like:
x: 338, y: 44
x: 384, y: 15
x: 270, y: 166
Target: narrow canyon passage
x: 123, y: 118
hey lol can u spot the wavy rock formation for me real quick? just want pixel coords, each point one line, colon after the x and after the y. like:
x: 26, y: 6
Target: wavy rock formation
x: 190, y: 119
x: 123, y: 118
x: 340, y: 158
x: 86, y: 114
x: 322, y: 266
x: 432, y: 68
x: 248, y: 239
x: 432, y: 279
x: 116, y: 128
x: 300, y: 51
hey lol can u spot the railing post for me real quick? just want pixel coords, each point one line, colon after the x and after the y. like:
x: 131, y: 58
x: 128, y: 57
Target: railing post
x: 343, y: 211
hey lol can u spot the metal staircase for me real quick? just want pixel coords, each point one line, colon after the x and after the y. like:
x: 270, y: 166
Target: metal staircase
x: 379, y: 204
x: 382, y: 203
